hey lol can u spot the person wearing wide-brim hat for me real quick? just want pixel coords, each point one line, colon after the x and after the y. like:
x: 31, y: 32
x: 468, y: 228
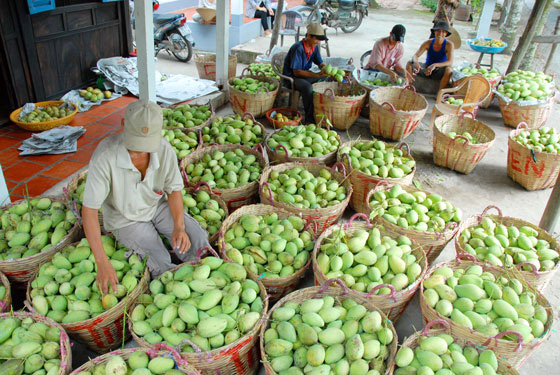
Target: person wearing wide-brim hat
x: 439, y: 57
x: 135, y: 178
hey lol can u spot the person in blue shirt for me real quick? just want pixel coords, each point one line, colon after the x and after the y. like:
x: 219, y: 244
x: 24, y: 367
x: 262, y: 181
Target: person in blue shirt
x: 299, y: 60
x: 439, y: 57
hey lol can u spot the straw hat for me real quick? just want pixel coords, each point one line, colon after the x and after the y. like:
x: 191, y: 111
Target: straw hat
x: 454, y: 37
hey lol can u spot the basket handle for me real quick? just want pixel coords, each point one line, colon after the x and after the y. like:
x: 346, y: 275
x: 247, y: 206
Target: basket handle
x: 310, y: 222
x: 336, y: 167
x: 464, y: 256
x: 328, y: 283
x: 284, y: 148
x: 466, y: 113
x: 488, y: 208
x: 200, y: 141
x: 176, y: 357
x: 198, y: 255
x: 196, y: 349
x: 534, y: 269
x: 380, y: 184
x: 430, y: 325
x: 460, y: 137
x: 522, y: 125
x: 262, y: 87
x: 410, y: 87
x: 185, y: 175
x: 351, y: 61
x: 270, y: 197
x: 391, y: 107
x: 392, y: 294
x: 249, y: 114
x: 259, y: 148
x: 403, y: 145
x: 502, y: 334
x: 331, y: 95
x: 356, y: 216
x: 200, y: 184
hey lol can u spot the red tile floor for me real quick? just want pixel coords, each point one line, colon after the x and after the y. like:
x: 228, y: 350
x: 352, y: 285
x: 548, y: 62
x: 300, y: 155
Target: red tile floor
x: 37, y: 174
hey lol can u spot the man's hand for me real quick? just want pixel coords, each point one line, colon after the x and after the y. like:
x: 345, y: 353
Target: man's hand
x: 416, y: 67
x: 394, y: 76
x: 271, y: 12
x: 180, y: 240
x: 106, y: 274
x: 409, y: 77
x: 430, y: 69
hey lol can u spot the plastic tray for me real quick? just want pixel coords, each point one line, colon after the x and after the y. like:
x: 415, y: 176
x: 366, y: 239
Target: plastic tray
x: 485, y: 49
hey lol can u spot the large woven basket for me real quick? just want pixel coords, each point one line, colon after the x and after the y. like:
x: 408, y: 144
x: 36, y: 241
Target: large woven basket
x: 104, y: 332
x: 538, y: 280
x: 514, y: 353
x: 236, y: 197
x: 325, y: 216
x: 65, y: 350
x: 257, y: 104
x: 45, y: 125
x: 71, y: 188
x: 494, y: 82
x: 432, y: 242
x: 534, y: 170
x: 6, y: 303
x: 394, y: 304
x: 394, y: 113
x: 276, y: 287
x: 244, y: 117
x: 326, y: 289
x: 197, y: 127
x: 504, y: 368
x: 160, y: 350
x: 534, y: 115
x: 362, y: 182
x: 21, y: 270
x: 241, y: 357
x: 340, y: 103
x: 460, y: 156
x: 206, y: 66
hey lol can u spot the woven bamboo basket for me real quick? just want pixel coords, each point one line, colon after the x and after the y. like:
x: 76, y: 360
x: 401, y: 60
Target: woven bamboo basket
x: 534, y: 170
x: 277, y: 124
x: 65, y: 350
x: 325, y: 216
x: 325, y: 290
x: 104, y: 332
x: 494, y: 82
x: 257, y: 104
x: 514, y: 353
x: 276, y: 157
x: 460, y: 156
x: 340, y: 103
x: 6, y: 303
x: 45, y: 125
x: 534, y: 115
x: 504, y: 368
x: 394, y: 304
x: 243, y: 117
x: 21, y: 270
x: 394, y: 113
x: 160, y: 350
x: 204, y: 186
x: 76, y: 206
x: 239, y: 196
x: 197, y: 127
x: 362, y: 182
x: 241, y: 357
x: 432, y: 242
x: 538, y: 280
x: 206, y: 66
x: 276, y: 287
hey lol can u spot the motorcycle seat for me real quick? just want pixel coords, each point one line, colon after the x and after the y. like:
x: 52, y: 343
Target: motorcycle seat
x: 160, y: 19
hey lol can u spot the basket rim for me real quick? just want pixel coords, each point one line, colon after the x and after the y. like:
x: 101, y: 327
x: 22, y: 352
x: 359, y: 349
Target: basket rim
x: 515, y: 132
x: 196, y: 127
x: 258, y: 77
x: 7, y: 300
x: 209, y: 124
x: 402, y: 89
x: 14, y: 115
x: 441, y: 120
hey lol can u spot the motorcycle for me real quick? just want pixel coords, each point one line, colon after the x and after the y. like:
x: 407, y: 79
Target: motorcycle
x: 171, y: 34
x: 344, y: 14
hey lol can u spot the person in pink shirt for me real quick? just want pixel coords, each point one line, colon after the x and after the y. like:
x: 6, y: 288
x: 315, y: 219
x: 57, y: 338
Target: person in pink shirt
x: 387, y: 54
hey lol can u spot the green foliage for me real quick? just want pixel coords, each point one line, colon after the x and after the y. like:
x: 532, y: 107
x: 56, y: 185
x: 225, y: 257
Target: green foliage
x: 431, y: 4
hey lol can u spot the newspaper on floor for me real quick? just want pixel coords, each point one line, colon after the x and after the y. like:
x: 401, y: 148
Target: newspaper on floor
x: 60, y: 140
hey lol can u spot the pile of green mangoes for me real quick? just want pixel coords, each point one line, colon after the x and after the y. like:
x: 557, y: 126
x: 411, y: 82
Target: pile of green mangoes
x: 304, y: 141
x: 183, y: 143
x: 472, y: 139
x: 204, y: 209
x: 265, y: 68
x: 454, y: 101
x: 186, y: 116
x: 252, y: 85
x: 544, y: 139
x: 48, y: 113
x: 417, y: 210
x: 95, y: 95
x: 269, y: 245
x: 32, y: 226
x: 337, y: 74
x: 327, y: 336
x: 139, y: 363
x: 302, y: 189
x: 442, y: 355
x: 376, y: 158
x: 488, y: 74
x: 366, y: 259
x: 233, y: 130
x: 28, y: 347
x: 380, y: 82
x: 225, y: 170
x: 485, y: 303
x: 502, y: 245
x: 65, y: 287
x: 526, y: 85
x: 211, y: 304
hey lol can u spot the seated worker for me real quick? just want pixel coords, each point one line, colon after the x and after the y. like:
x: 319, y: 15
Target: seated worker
x: 387, y: 53
x: 299, y: 60
x: 135, y: 177
x: 261, y: 9
x: 439, y: 57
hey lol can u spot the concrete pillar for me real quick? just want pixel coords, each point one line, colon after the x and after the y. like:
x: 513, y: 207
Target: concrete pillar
x: 222, y: 41
x: 143, y: 13
x: 4, y: 194
x: 237, y: 13
x: 485, y: 19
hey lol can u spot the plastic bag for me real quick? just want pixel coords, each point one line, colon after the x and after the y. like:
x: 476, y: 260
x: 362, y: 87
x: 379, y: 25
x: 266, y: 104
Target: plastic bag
x: 361, y: 75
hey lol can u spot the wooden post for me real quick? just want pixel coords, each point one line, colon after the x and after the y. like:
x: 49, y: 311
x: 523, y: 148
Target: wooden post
x: 553, y: 49
x: 277, y: 24
x: 552, y: 211
x: 528, y: 34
